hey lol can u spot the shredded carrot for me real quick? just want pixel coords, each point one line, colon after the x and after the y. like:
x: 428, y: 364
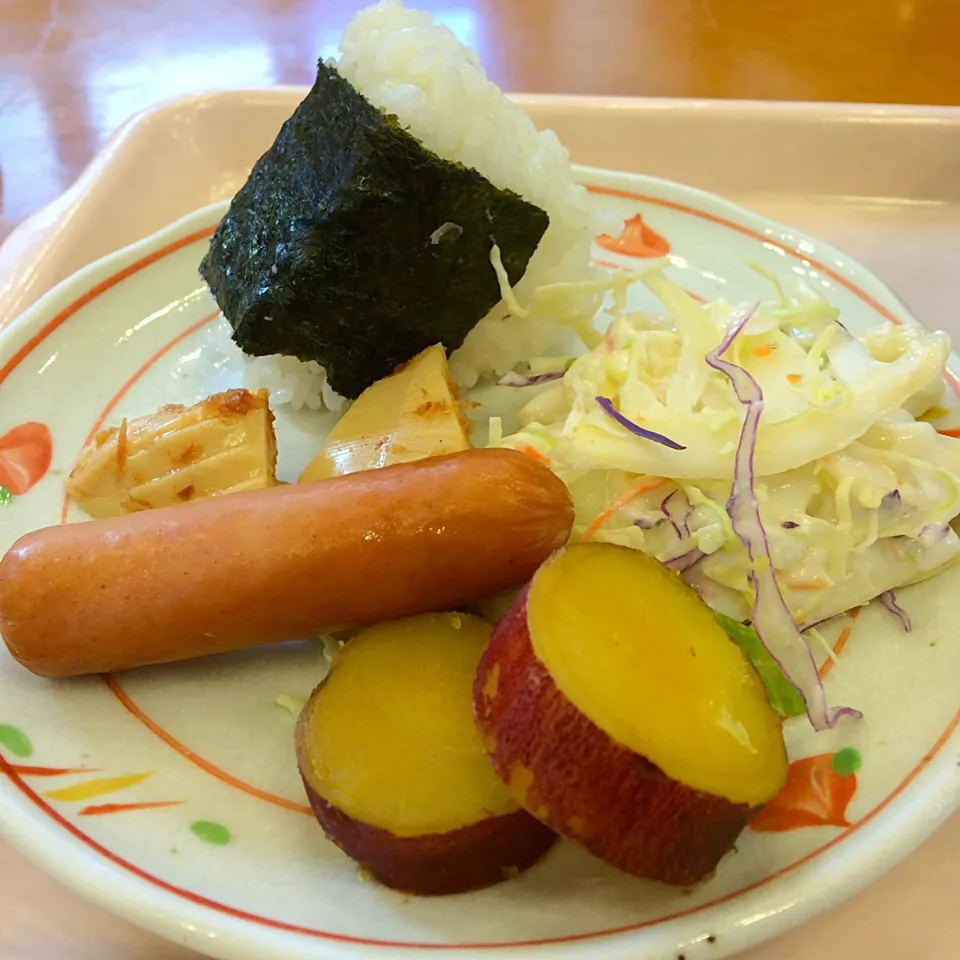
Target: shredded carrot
x: 794, y: 377
x: 763, y: 351
x: 841, y: 642
x: 815, y: 583
x: 645, y: 485
x: 532, y: 452
x: 952, y: 432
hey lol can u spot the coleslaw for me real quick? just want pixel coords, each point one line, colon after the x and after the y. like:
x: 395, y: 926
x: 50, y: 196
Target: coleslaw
x: 768, y: 455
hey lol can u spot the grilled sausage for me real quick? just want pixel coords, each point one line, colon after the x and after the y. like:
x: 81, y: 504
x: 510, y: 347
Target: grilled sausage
x: 278, y: 564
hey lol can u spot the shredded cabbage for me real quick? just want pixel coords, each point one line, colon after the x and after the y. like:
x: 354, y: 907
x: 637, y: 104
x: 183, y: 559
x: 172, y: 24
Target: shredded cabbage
x: 854, y: 493
x: 293, y: 705
x: 771, y: 618
x: 506, y: 291
x: 823, y: 388
x: 781, y: 693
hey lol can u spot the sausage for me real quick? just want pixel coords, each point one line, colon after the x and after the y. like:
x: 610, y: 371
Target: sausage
x: 278, y: 564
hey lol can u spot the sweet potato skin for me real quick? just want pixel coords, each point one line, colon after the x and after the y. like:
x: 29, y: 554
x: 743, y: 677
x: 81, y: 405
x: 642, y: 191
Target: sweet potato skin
x: 581, y: 783
x: 475, y: 856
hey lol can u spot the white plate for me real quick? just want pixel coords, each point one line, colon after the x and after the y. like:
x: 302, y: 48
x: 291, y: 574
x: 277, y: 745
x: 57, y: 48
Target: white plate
x: 226, y: 860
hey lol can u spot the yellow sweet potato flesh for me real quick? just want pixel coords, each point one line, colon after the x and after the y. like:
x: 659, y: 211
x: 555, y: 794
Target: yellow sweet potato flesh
x: 411, y: 415
x: 642, y: 657
x: 392, y: 740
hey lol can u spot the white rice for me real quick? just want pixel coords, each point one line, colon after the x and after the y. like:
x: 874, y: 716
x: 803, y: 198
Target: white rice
x: 289, y: 380
x: 409, y: 66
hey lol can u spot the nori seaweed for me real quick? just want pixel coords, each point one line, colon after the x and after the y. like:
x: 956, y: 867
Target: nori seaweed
x: 332, y: 250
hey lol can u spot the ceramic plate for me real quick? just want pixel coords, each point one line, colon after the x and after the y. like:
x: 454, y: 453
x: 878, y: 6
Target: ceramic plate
x: 171, y: 794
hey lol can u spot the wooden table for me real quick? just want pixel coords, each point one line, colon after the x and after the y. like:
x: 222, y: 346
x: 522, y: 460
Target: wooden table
x: 72, y: 70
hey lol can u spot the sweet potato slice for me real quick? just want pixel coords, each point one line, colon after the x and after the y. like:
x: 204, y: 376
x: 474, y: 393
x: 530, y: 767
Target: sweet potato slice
x: 395, y: 768
x: 622, y: 716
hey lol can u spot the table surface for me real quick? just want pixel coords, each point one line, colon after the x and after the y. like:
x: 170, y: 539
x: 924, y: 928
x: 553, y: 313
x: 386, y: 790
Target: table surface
x: 72, y: 70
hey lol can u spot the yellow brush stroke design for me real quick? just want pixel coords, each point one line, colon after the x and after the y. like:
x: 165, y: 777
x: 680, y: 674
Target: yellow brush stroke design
x: 97, y: 788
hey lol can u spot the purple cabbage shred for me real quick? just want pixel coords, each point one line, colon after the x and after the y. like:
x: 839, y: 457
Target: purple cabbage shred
x: 676, y: 508
x: 606, y: 404
x: 933, y: 533
x: 685, y: 561
x: 519, y: 380
x: 771, y: 618
x: 889, y: 599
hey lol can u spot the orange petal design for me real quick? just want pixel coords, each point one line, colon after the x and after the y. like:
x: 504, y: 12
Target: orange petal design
x: 636, y: 240
x: 815, y: 795
x: 103, y: 809
x: 25, y: 770
x: 25, y: 455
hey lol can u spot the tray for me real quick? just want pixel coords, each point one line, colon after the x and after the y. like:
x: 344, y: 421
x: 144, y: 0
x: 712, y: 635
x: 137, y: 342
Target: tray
x: 876, y: 181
